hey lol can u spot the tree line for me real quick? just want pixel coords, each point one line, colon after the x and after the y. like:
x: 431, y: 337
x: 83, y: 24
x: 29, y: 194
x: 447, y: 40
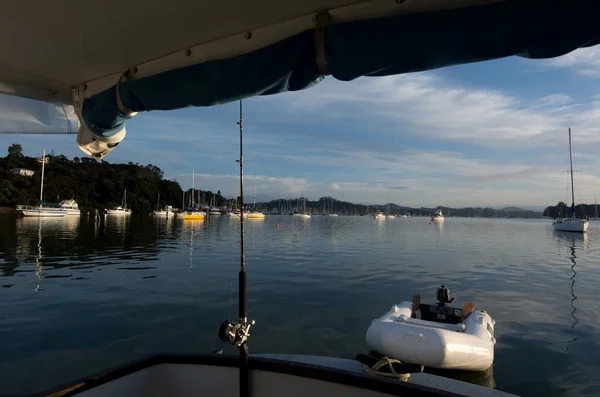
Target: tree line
x: 561, y: 210
x: 93, y: 184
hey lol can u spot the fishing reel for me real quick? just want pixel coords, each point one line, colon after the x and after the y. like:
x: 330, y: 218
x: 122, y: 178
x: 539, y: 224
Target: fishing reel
x: 236, y: 334
x: 443, y: 296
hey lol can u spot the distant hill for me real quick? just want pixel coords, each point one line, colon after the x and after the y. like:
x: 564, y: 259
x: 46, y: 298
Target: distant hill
x: 512, y: 209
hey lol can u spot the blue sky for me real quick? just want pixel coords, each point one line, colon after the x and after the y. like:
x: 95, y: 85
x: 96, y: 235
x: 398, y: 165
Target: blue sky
x: 487, y: 134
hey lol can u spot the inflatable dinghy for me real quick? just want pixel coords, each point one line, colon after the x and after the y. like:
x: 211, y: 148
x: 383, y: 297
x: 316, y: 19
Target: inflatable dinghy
x: 436, y: 336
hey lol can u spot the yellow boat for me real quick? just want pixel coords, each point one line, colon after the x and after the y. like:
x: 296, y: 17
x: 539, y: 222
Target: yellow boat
x: 256, y: 215
x: 193, y: 215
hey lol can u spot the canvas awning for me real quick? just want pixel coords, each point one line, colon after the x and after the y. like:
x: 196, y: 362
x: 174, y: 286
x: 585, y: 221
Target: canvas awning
x: 201, y: 53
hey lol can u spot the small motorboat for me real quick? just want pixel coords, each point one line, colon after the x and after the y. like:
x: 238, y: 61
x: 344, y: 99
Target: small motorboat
x: 437, y: 216
x: 436, y: 336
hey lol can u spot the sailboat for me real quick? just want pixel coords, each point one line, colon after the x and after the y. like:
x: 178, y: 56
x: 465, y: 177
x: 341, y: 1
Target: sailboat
x: 388, y: 215
x: 302, y: 214
x: 166, y: 211
x: 193, y: 214
x: 121, y: 209
x: 213, y: 210
x: 571, y: 224
x: 331, y: 211
x: 42, y: 211
x: 254, y: 214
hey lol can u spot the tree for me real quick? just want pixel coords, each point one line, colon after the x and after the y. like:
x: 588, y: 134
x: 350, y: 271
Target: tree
x: 15, y: 151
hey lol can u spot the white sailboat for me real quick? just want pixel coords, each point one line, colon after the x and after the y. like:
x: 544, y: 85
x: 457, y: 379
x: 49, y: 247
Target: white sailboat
x: 254, y: 214
x: 303, y: 213
x: 120, y: 209
x: 193, y: 214
x: 388, y: 215
x: 167, y: 210
x: 42, y: 211
x: 378, y: 214
x: 571, y: 224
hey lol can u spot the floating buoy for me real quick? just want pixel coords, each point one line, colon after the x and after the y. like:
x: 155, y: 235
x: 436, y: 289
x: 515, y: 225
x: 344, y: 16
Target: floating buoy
x: 277, y: 225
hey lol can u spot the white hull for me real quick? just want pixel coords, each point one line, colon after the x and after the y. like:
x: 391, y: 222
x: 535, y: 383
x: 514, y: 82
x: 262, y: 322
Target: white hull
x: 302, y: 215
x: 164, y: 214
x: 570, y: 225
x: 270, y: 376
x: 379, y: 216
x: 333, y: 215
x: 44, y: 212
x: 234, y: 215
x: 255, y: 215
x: 118, y: 212
x: 73, y: 212
x: 437, y: 219
x: 448, y: 346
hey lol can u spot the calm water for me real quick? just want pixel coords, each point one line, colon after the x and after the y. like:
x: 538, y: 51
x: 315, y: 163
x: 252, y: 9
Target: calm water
x: 76, y: 299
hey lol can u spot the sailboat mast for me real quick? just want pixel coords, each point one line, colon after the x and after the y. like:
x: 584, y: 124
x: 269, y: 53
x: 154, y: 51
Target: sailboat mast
x: 193, y: 189
x: 42, y: 184
x: 572, y: 184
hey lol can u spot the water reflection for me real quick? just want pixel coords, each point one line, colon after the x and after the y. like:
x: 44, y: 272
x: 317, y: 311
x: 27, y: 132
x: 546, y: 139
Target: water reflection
x: 192, y: 226
x: 162, y: 285
x: 572, y: 242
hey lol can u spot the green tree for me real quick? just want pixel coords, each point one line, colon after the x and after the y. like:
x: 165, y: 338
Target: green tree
x: 15, y: 151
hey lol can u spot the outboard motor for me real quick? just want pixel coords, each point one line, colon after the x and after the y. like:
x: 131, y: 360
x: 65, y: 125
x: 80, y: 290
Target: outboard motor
x: 443, y: 296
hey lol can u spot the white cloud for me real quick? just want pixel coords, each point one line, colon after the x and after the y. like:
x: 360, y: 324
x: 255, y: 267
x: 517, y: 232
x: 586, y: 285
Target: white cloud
x: 585, y: 61
x: 425, y: 106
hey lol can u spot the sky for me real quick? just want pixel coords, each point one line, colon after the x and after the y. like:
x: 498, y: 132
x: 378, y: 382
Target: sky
x: 487, y: 134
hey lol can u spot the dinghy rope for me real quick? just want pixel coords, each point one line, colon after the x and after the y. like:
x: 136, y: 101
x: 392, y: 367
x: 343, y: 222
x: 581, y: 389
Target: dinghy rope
x: 374, y: 370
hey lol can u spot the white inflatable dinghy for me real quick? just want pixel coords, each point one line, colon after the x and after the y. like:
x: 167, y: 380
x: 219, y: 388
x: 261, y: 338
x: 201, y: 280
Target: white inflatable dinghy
x: 437, y: 336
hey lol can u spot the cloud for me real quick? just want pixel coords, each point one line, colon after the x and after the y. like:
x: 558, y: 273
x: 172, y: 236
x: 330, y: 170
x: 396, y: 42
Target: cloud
x: 426, y: 106
x: 585, y: 61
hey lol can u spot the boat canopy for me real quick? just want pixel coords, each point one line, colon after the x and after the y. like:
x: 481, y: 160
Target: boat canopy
x: 101, y: 62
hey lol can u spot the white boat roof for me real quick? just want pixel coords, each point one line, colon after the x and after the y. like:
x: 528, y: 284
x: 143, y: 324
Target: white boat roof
x: 47, y: 48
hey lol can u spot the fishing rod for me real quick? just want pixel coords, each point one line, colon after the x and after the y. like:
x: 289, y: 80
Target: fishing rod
x: 237, y: 333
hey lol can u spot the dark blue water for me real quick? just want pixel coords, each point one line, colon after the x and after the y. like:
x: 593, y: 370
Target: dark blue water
x: 77, y: 298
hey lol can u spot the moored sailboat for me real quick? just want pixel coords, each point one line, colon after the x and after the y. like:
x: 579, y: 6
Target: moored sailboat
x: 42, y: 211
x: 120, y: 209
x: 571, y: 224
